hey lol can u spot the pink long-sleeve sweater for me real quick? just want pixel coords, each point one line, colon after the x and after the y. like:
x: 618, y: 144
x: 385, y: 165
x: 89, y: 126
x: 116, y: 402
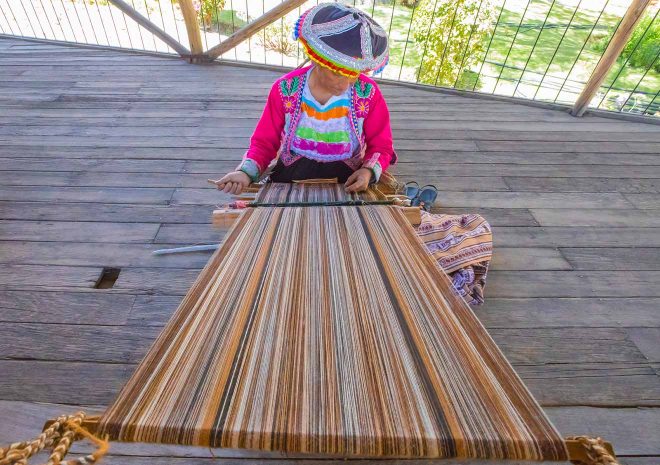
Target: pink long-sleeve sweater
x: 272, y: 137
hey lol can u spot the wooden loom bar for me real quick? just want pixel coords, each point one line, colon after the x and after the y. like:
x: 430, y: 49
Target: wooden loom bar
x: 253, y: 27
x: 151, y: 27
x: 617, y: 43
x: 329, y: 331
x: 192, y: 28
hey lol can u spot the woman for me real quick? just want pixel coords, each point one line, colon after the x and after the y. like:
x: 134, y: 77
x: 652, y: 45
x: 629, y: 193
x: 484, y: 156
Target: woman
x: 329, y: 120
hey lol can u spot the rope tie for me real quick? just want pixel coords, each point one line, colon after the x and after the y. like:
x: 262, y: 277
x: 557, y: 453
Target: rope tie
x: 595, y: 450
x: 59, y: 437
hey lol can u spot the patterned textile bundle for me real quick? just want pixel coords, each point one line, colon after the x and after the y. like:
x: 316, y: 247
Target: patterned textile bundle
x: 463, y: 246
x: 329, y: 330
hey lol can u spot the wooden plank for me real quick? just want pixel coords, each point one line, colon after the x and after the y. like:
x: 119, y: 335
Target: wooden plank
x: 153, y: 310
x: 189, y: 234
x: 90, y: 254
x: 633, y: 431
x: 112, y: 213
x: 612, y: 52
x: 538, y: 347
x: 541, y: 312
x: 562, y: 146
x: 606, y: 258
x: 77, y: 383
x: 573, y: 284
x: 74, y: 231
x: 158, y: 281
x: 72, y: 308
x: 582, y: 236
x: 495, y: 216
x: 510, y: 258
x: 552, y: 171
x: 532, y: 199
x: 584, y: 185
x: 401, y: 132
x: 646, y: 339
x: 36, y: 276
x: 644, y: 201
x: 87, y: 194
x: 99, y: 179
x: 614, y: 218
x: 75, y: 343
x: 603, y: 387
x: 123, y: 166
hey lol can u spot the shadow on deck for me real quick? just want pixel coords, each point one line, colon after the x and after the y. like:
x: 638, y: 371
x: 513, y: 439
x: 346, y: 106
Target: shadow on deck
x: 104, y: 157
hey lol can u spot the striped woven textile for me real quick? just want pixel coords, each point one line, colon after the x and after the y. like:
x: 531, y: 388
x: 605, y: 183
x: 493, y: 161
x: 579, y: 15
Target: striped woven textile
x: 330, y: 330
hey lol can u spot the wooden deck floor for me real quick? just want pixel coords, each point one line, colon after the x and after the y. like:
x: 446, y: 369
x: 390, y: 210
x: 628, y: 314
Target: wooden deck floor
x: 104, y: 157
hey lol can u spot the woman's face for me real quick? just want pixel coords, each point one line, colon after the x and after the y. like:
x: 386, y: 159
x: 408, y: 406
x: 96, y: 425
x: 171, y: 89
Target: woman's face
x: 334, y: 83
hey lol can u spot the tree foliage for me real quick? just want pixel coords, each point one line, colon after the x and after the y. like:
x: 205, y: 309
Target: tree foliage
x: 450, y: 36
x: 644, y: 42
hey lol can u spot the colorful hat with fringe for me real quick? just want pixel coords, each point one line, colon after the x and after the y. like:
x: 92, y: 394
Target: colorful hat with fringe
x: 343, y: 39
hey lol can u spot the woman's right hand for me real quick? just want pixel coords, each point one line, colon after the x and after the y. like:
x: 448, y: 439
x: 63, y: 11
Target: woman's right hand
x: 234, y: 182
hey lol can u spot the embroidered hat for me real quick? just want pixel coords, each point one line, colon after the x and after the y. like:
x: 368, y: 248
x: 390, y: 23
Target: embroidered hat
x: 343, y: 39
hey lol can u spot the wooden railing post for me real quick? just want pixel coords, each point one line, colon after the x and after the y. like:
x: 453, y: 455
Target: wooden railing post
x: 253, y: 27
x: 614, y: 49
x: 192, y: 27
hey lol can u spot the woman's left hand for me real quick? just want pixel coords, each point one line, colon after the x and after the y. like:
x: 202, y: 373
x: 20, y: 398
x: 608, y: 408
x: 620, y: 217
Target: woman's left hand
x: 358, y: 181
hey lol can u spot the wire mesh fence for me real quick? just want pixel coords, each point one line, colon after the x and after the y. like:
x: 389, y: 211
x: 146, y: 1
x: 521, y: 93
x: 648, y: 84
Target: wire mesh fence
x: 542, y: 50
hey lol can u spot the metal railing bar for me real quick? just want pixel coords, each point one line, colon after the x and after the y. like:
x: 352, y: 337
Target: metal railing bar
x: 43, y: 32
x: 114, y: 25
x: 146, y: 7
x: 82, y: 29
x: 18, y: 25
x: 577, y: 58
x: 105, y: 33
x: 515, y: 36
x: 52, y: 31
x: 529, y: 57
x: 444, y: 51
x: 490, y: 42
x: 128, y: 33
x: 253, y: 27
x: 421, y: 62
x: 628, y: 59
x: 176, y: 26
x: 34, y: 33
x: 247, y: 18
x: 89, y: 18
x: 641, y: 79
x: 59, y: 22
x: 11, y: 30
x: 467, y: 45
x: 651, y: 102
x: 263, y: 11
x: 162, y: 21
x: 405, y: 47
x: 151, y: 27
x: 233, y: 25
x: 128, y: 13
x: 561, y: 40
